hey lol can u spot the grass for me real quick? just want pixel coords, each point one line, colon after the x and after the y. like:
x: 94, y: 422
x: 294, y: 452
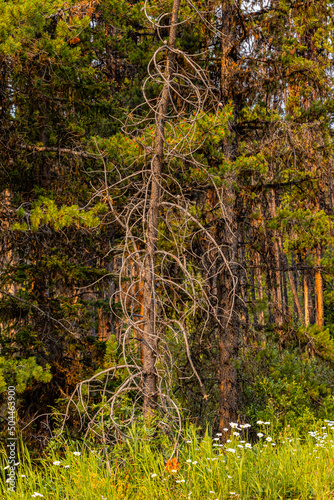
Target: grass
x: 288, y: 467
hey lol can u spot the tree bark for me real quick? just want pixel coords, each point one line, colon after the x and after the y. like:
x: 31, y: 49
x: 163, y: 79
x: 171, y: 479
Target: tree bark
x: 318, y: 289
x: 150, y: 335
x: 229, y: 234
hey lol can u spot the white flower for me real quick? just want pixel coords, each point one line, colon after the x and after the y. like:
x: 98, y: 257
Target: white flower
x: 232, y: 450
x: 268, y: 439
x: 218, y: 434
x: 259, y: 422
x: 259, y: 434
x: 189, y: 442
x: 56, y: 462
x: 189, y: 461
x: 194, y: 463
x: 212, y: 492
x: 66, y: 466
x: 36, y: 494
x: 225, y: 429
x: 181, y: 481
x: 233, y: 425
x: 153, y: 475
x: 236, y: 434
x: 229, y: 441
x: 239, y: 446
x: 266, y: 423
x: 273, y: 444
x: 230, y: 477
x: 174, y: 471
x: 215, y: 439
x: 23, y: 475
x: 248, y: 445
x: 232, y: 493
x: 77, y: 453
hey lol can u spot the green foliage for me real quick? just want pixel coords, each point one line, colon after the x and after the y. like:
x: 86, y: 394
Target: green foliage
x: 288, y: 385
x: 45, y: 212
x: 20, y: 373
x: 285, y: 465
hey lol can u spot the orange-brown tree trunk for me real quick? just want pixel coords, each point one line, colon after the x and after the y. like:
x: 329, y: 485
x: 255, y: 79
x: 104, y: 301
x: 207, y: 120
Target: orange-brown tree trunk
x: 318, y: 289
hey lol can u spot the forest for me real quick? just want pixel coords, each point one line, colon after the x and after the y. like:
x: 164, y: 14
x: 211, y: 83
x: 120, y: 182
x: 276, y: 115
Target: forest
x: 166, y: 245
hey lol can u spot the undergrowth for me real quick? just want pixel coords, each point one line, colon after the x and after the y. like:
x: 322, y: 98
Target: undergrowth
x: 285, y: 466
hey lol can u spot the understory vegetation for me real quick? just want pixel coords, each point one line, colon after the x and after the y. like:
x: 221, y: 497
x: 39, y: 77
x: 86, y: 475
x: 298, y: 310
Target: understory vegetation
x: 253, y: 464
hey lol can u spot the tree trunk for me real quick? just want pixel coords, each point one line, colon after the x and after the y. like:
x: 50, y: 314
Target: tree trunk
x: 276, y: 271
x: 259, y: 285
x: 230, y: 304
x: 318, y: 289
x: 150, y: 334
x: 295, y: 294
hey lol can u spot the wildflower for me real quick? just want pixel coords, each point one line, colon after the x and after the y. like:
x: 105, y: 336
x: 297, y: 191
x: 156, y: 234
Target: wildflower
x: 225, y: 429
x: 259, y: 434
x: 259, y: 422
x: 181, y: 481
x: 232, y: 493
x: 153, y: 475
x: 239, y: 446
x: 248, y: 445
x: 76, y: 453
x: 189, y: 442
x: 212, y: 492
x: 242, y: 442
x: 215, y: 439
x: 172, y: 465
x: 232, y: 450
x: 233, y: 425
x: 236, y: 434
x: 268, y: 439
x: 266, y: 423
x: 273, y: 444
x: 194, y: 463
x: 189, y: 461
x: 56, y: 462
x: 218, y: 434
x: 36, y: 494
x: 230, y: 477
x: 229, y: 441
x: 66, y: 466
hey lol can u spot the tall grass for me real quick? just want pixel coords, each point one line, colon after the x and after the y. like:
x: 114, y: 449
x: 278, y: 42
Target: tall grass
x: 288, y: 467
